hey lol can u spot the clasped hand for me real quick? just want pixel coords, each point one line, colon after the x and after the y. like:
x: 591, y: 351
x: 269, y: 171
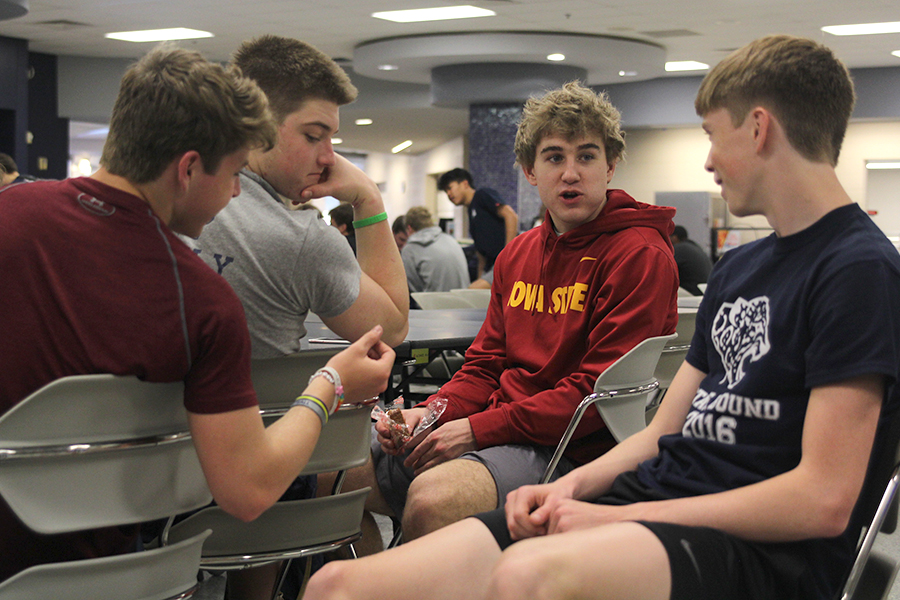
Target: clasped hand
x: 535, y: 510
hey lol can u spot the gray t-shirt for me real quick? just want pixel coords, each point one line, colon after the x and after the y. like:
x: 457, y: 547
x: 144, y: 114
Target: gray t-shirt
x: 281, y: 263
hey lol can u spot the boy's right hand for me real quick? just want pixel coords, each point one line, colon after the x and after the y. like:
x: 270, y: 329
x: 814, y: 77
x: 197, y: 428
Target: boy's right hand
x: 364, y: 366
x: 412, y: 417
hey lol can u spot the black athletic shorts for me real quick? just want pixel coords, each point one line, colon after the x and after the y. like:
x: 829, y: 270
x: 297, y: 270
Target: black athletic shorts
x: 706, y: 564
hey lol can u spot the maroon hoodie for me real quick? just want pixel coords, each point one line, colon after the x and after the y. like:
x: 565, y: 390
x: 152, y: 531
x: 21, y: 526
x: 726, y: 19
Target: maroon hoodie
x: 563, y: 308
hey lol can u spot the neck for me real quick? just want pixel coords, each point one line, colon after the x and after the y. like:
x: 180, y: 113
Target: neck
x: 143, y: 191
x: 806, y: 193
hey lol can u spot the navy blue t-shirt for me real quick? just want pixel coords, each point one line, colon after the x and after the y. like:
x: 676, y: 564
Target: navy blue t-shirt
x: 782, y: 316
x: 487, y: 228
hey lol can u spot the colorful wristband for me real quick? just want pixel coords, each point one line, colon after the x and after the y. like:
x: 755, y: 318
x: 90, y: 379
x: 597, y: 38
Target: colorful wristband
x: 315, y: 405
x: 370, y: 220
x: 332, y: 377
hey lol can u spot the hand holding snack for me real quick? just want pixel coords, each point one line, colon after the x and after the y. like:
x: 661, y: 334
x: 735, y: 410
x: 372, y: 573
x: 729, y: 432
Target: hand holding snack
x: 400, y: 430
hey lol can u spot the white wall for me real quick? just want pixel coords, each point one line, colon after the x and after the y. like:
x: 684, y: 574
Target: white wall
x: 404, y: 179
x: 672, y: 160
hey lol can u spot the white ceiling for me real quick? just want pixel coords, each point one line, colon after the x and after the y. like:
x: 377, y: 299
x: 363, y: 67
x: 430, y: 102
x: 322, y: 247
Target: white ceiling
x: 702, y: 30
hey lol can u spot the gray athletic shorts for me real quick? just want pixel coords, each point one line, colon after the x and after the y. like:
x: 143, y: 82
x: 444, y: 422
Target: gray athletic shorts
x: 511, y: 466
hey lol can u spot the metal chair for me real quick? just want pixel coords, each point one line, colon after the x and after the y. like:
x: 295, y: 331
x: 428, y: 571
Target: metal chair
x: 432, y: 300
x: 298, y: 528
x: 672, y: 356
x: 478, y: 298
x: 873, y: 572
x: 94, y: 451
x: 620, y: 394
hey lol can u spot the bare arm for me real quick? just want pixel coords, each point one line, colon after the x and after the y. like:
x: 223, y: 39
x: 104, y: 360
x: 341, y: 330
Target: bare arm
x: 837, y: 440
x: 383, y: 294
x: 249, y: 466
x: 510, y: 221
x: 529, y: 509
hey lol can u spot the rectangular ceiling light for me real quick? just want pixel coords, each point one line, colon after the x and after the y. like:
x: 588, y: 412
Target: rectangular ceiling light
x: 401, y: 146
x: 896, y: 53
x: 159, y: 35
x: 686, y: 65
x: 442, y: 13
x: 883, y: 164
x: 863, y: 28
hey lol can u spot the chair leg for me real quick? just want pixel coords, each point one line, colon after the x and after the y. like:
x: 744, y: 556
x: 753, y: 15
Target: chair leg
x: 397, y: 539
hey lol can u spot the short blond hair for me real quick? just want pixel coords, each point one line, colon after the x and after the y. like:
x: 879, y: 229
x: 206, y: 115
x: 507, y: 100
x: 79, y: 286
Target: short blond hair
x: 572, y: 111
x: 291, y: 72
x: 419, y: 218
x: 800, y: 81
x: 173, y: 101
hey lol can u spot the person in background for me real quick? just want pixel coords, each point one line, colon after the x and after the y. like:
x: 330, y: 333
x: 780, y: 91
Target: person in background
x: 9, y: 171
x: 569, y: 299
x: 744, y: 484
x: 95, y: 280
x: 399, y: 230
x: 694, y: 264
x: 342, y: 220
x: 492, y: 223
x: 434, y: 261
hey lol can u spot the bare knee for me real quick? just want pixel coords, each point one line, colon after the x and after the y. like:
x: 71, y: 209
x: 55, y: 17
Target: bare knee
x: 446, y: 494
x: 327, y: 582
x: 523, y: 573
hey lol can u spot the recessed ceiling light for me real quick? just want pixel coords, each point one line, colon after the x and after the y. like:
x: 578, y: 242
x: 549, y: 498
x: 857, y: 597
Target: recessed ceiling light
x: 556, y: 57
x: 863, y: 28
x: 685, y: 65
x: 363, y: 121
x: 335, y: 141
x: 882, y: 164
x: 440, y: 13
x: 401, y: 146
x: 159, y: 35
x: 896, y: 53
x: 627, y: 73
x: 388, y: 67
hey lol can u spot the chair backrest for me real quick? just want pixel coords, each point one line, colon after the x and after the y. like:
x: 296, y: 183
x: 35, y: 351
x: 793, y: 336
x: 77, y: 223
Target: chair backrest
x: 168, y: 573
x: 478, y: 298
x: 278, y: 381
x: 98, y: 450
x: 432, y: 300
x: 623, y: 414
x: 344, y: 443
x: 876, y: 511
x: 675, y: 350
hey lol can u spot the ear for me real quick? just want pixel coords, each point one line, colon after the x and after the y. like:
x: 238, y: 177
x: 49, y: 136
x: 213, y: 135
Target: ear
x: 529, y: 174
x: 188, y: 165
x: 610, y: 171
x: 762, y: 122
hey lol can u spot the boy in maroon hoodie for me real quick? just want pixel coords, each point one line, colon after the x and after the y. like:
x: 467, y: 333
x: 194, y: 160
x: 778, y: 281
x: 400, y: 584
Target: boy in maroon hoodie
x: 569, y: 298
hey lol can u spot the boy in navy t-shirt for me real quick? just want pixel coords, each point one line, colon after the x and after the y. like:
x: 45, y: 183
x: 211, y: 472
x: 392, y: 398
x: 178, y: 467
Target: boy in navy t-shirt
x: 745, y: 482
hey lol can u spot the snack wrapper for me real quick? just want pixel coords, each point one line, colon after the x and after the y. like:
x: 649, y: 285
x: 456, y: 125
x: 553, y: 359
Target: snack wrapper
x: 393, y: 419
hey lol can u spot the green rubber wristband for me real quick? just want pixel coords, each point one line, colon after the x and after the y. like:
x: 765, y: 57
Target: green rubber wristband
x: 370, y: 220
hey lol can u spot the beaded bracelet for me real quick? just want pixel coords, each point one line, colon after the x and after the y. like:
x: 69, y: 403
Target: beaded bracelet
x: 332, y: 377
x: 370, y: 220
x: 315, y: 405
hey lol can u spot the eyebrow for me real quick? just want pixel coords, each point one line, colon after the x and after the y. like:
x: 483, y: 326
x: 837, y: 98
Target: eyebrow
x: 319, y: 124
x: 587, y: 146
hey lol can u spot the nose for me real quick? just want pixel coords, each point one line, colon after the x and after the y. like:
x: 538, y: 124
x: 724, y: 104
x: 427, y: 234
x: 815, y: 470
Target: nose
x: 236, y: 188
x: 708, y: 164
x: 326, y: 155
x: 571, y: 174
